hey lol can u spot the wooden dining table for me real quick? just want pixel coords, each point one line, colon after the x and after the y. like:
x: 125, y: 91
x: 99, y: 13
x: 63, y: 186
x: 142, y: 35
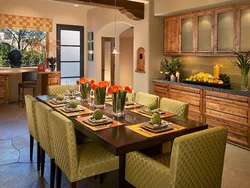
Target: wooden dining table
x: 120, y: 140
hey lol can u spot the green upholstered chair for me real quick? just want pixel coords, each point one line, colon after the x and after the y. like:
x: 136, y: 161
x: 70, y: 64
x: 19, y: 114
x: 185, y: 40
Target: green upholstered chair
x: 196, y: 161
x: 175, y: 107
x: 32, y: 125
x: 146, y: 99
x: 60, y: 89
x: 46, y: 138
x: 77, y: 162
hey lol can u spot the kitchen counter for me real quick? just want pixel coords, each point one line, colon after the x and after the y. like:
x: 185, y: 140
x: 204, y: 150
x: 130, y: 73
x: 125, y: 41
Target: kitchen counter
x: 10, y: 71
x: 234, y: 91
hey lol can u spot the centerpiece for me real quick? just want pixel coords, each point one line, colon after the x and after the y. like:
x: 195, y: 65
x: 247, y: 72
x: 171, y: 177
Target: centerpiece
x: 118, y: 99
x: 85, y: 84
x: 99, y: 93
x: 171, y: 67
x: 244, y: 64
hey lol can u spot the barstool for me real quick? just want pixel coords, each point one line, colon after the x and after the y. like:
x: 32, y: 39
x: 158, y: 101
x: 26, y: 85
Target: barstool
x: 29, y: 80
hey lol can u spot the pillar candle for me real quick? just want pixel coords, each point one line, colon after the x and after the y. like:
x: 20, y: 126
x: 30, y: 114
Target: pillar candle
x: 216, y: 71
x: 177, y: 76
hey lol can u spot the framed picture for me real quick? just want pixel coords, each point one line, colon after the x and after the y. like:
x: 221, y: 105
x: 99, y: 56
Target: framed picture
x: 90, y: 46
x: 90, y: 36
x: 90, y: 57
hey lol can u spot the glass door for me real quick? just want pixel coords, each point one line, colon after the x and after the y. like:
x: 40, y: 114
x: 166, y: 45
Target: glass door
x: 70, y: 53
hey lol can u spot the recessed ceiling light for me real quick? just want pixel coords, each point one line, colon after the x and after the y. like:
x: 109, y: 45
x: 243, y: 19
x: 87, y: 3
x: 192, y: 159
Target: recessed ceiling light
x: 76, y: 5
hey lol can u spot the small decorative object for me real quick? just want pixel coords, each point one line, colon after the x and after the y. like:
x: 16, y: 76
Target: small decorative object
x: 97, y: 114
x: 99, y: 93
x: 52, y: 63
x: 152, y: 105
x: 140, y: 60
x: 118, y: 99
x: 73, y: 103
x: 172, y: 78
x: 85, y: 87
x: 171, y: 67
x: 177, y: 74
x: 90, y: 46
x: 216, y: 71
x: 225, y: 78
x: 156, y: 118
x: 15, y: 58
x: 41, y: 67
x: 244, y: 64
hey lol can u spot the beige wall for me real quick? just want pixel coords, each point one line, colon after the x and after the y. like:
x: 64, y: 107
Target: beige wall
x: 171, y: 7
x: 126, y: 59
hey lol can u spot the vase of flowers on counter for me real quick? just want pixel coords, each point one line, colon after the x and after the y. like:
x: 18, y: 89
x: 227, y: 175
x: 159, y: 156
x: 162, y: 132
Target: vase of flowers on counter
x: 243, y: 62
x: 171, y: 67
x: 118, y: 99
x: 99, y: 93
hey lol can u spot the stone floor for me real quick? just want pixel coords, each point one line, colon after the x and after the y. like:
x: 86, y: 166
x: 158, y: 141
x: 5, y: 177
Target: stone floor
x: 16, y: 171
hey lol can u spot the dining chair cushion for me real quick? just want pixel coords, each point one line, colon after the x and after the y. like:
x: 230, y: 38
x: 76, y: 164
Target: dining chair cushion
x: 61, y: 89
x: 147, y: 99
x: 44, y: 128
x: 196, y: 161
x: 82, y: 161
x: 175, y: 107
x: 31, y: 116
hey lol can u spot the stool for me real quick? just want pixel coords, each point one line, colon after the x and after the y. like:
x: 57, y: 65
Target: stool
x: 29, y: 80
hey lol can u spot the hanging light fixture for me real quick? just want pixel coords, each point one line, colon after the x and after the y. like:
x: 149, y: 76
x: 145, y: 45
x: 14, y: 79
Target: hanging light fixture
x: 115, y: 50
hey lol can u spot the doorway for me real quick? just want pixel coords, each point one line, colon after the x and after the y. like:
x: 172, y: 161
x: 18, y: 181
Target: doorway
x: 70, y: 52
x: 108, y: 60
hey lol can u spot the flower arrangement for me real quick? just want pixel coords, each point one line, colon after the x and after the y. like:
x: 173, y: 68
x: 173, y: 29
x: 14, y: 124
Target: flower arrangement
x: 171, y: 67
x: 85, y: 84
x: 99, y: 93
x: 119, y: 98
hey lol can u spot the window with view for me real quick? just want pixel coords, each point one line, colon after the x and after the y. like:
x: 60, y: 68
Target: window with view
x: 31, y: 44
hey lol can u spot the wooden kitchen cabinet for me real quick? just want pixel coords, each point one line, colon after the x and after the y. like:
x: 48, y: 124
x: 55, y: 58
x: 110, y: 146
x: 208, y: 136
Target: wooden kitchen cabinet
x: 171, y: 31
x: 4, y: 89
x: 48, y: 79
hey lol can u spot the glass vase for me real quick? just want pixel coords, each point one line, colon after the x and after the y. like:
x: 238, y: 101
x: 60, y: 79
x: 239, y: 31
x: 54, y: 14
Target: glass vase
x: 85, y: 90
x: 99, y: 97
x: 244, y: 82
x: 118, y: 101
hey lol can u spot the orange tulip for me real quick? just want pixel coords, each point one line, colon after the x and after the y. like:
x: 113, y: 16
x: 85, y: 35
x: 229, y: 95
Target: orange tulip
x: 77, y: 82
x: 94, y: 86
x: 120, y: 88
x: 115, y: 88
x: 83, y: 80
x: 102, y: 84
x: 92, y: 81
x: 110, y: 90
x: 128, y: 89
x: 106, y: 83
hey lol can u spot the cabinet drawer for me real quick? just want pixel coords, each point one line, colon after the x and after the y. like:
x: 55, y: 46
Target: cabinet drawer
x: 54, y: 75
x: 2, y: 94
x: 185, y: 98
x: 161, y: 89
x: 194, y: 116
x: 160, y: 94
x: 194, y: 108
x: 187, y: 89
x: 160, y: 84
x: 53, y: 81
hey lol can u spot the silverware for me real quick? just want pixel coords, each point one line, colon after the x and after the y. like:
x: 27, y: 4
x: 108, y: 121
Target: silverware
x: 143, y: 130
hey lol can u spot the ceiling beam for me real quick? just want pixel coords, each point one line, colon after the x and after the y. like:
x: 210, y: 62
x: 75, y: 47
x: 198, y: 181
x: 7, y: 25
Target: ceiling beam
x: 133, y: 10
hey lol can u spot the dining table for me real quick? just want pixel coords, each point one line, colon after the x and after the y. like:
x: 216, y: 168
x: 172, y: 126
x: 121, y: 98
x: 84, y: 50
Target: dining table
x: 120, y: 140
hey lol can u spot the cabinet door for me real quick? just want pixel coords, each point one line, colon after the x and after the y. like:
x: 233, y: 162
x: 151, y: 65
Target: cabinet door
x: 187, y: 34
x: 225, y: 30
x: 243, y: 28
x: 171, y: 36
x: 204, y: 30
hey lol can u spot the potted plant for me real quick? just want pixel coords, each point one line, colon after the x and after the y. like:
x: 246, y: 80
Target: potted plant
x: 171, y: 67
x: 244, y: 64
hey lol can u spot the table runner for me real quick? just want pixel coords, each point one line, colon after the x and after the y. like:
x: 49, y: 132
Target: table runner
x: 84, y: 112
x: 99, y: 127
x: 150, y: 134
x: 166, y: 114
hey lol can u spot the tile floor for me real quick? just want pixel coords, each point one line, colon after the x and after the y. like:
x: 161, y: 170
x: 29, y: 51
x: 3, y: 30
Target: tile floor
x: 16, y: 171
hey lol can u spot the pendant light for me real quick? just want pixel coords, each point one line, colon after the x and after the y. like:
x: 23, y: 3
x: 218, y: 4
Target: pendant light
x: 115, y: 50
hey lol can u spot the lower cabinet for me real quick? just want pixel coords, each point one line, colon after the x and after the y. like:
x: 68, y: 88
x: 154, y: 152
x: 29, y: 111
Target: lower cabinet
x: 213, y: 108
x: 4, y: 89
x: 51, y: 78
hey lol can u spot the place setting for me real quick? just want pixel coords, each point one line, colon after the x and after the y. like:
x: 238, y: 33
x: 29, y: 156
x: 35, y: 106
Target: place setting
x: 98, y: 121
x: 155, y: 127
x: 57, y: 101
x: 72, y: 108
x: 147, y: 112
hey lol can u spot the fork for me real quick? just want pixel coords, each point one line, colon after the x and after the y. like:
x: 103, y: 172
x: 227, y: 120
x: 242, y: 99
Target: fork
x: 143, y: 130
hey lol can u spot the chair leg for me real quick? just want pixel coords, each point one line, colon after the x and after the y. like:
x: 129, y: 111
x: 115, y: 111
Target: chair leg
x: 42, y: 162
x: 38, y: 156
x: 31, y: 147
x: 102, y: 176
x: 18, y: 95
x: 73, y: 184
x: 22, y: 97
x: 52, y: 173
x: 58, y: 177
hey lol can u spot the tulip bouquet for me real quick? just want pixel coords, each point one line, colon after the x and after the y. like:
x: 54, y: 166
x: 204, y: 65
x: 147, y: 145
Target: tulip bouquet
x: 85, y: 84
x: 99, y: 93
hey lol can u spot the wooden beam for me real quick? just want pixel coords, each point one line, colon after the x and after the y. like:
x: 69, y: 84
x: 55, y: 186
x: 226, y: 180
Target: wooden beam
x: 133, y: 10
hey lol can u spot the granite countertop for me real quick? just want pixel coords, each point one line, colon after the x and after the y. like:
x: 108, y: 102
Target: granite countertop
x: 235, y: 91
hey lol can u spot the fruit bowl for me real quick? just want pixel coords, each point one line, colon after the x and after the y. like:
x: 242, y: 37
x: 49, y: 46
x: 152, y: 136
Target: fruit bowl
x: 225, y: 86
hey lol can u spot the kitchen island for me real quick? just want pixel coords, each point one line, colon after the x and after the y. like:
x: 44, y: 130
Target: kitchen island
x: 213, y: 106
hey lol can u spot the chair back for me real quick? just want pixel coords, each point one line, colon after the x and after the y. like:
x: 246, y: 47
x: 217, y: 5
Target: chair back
x: 60, y: 89
x: 147, y: 99
x: 175, y: 107
x: 65, y: 148
x: 30, y: 77
x: 44, y: 128
x: 197, y: 159
x: 31, y: 116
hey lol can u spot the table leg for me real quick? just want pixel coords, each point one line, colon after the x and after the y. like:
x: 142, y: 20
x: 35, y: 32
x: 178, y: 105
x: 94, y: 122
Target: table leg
x: 122, y: 161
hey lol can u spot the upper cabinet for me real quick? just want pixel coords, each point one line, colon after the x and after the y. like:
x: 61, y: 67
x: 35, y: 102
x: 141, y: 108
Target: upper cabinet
x: 171, y: 35
x: 187, y: 34
x: 215, y: 31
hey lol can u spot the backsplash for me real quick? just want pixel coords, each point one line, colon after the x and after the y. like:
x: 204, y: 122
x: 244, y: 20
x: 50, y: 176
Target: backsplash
x: 192, y: 65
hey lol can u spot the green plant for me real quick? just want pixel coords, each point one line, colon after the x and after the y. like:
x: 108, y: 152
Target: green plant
x: 225, y: 78
x: 171, y: 67
x: 243, y: 62
x: 156, y: 118
x: 97, y: 114
x: 73, y: 103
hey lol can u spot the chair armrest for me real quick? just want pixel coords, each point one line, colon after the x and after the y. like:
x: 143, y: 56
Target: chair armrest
x: 143, y: 171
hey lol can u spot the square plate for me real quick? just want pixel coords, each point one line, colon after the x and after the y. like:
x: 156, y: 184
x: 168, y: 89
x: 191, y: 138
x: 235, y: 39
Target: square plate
x: 166, y: 127
x: 58, y: 101
x: 93, y: 122
x: 77, y: 109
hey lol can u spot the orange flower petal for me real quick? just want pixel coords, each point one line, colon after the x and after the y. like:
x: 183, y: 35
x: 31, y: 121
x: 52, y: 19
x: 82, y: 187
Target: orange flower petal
x: 110, y: 91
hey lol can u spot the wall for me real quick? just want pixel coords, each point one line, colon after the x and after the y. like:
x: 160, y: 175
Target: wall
x: 126, y: 57
x: 171, y: 7
x: 60, y: 13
